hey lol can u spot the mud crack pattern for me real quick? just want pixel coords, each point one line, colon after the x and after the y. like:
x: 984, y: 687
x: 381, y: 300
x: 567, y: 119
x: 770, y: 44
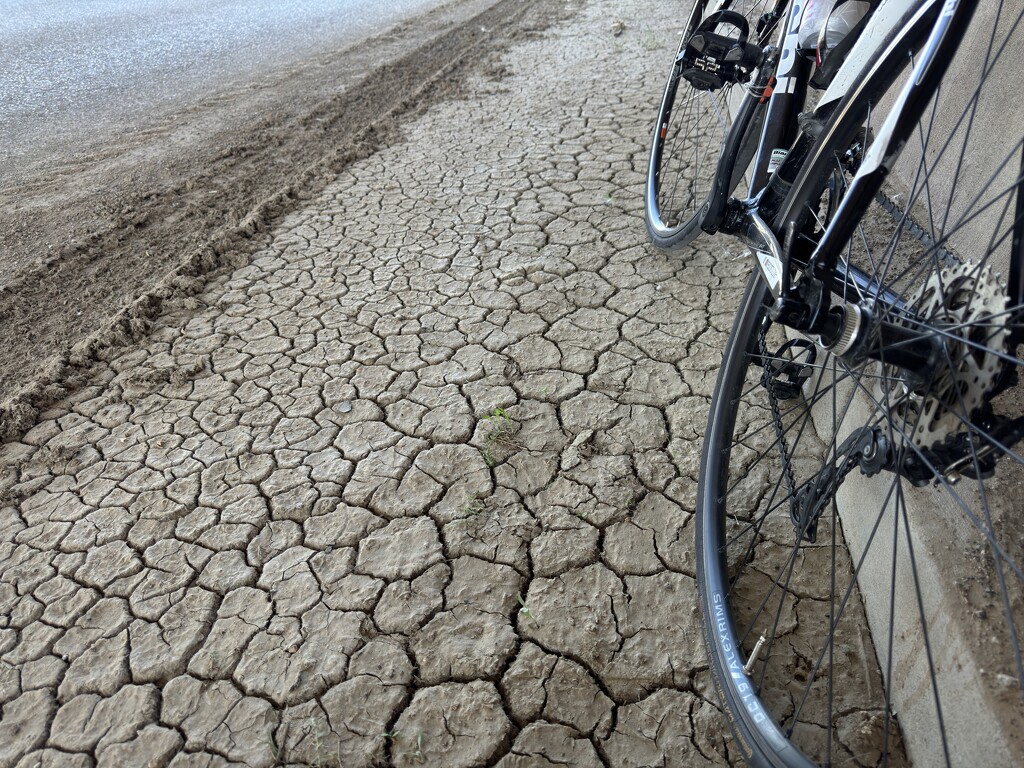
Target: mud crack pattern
x: 413, y: 487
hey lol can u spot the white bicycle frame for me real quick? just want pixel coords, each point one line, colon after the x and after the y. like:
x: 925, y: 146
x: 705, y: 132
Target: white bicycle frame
x: 882, y: 21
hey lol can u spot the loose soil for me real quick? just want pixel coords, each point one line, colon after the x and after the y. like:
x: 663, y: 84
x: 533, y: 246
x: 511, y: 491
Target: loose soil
x: 94, y: 242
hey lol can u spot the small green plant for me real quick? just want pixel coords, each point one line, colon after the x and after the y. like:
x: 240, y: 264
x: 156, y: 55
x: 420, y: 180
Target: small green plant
x: 313, y: 745
x: 488, y: 456
x: 275, y: 748
x: 499, y: 436
x: 650, y: 41
x: 472, y: 506
x: 417, y: 755
x: 525, y: 609
x: 499, y: 414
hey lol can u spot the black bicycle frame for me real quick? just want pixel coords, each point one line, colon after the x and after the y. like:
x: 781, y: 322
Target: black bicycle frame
x: 808, y: 164
x: 789, y: 93
x: 779, y: 92
x: 948, y: 18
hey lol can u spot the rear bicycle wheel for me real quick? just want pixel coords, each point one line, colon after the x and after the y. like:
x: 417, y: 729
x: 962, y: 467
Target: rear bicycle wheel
x: 691, y: 128
x: 864, y: 521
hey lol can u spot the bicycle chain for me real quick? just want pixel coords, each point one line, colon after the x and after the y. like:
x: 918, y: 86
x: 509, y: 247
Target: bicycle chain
x: 811, y: 497
x: 908, y: 224
x: 780, y: 433
x: 797, y: 497
x: 806, y: 528
x: 806, y: 500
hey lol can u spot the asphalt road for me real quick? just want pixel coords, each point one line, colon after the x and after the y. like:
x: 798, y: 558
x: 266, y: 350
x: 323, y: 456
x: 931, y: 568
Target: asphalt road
x: 74, y: 73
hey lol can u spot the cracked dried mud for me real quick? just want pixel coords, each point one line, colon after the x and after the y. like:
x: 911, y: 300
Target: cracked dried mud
x: 415, y: 484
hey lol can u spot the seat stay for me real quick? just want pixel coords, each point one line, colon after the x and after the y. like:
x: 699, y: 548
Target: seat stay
x: 948, y: 20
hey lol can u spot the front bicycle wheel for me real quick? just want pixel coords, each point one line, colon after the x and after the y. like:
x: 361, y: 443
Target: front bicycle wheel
x: 859, y: 557
x: 692, y: 127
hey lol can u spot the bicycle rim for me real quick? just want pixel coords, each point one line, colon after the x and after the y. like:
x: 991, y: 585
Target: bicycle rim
x: 895, y: 635
x: 688, y: 137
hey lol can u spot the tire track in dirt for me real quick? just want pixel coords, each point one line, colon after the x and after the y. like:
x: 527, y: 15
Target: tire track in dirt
x: 94, y: 249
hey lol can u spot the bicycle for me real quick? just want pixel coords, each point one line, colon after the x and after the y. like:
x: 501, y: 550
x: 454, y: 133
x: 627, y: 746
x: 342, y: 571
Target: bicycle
x: 869, y: 393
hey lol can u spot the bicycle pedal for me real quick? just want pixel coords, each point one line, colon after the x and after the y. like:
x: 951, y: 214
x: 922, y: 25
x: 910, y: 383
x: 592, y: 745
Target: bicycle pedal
x: 710, y: 59
x: 786, y: 376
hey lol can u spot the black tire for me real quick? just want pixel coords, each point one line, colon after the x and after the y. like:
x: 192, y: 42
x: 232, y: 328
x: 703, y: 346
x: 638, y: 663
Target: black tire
x: 691, y: 129
x: 839, y: 622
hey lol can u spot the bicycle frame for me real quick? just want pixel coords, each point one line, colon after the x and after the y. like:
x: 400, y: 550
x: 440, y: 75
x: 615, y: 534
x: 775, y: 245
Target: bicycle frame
x: 920, y: 305
x: 768, y: 220
x: 789, y: 93
x: 781, y: 92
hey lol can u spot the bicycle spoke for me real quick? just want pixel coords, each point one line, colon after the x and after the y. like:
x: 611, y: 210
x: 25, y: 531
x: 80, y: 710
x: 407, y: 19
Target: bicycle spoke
x: 885, y: 449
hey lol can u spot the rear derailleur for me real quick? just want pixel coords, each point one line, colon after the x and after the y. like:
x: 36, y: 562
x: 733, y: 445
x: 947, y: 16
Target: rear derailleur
x: 873, y: 449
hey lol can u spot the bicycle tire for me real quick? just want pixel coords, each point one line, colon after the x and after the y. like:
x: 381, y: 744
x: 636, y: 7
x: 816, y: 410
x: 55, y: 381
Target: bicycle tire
x: 825, y: 684
x: 691, y: 128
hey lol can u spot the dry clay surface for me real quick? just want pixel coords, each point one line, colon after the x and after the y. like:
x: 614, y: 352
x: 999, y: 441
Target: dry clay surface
x: 413, y: 487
